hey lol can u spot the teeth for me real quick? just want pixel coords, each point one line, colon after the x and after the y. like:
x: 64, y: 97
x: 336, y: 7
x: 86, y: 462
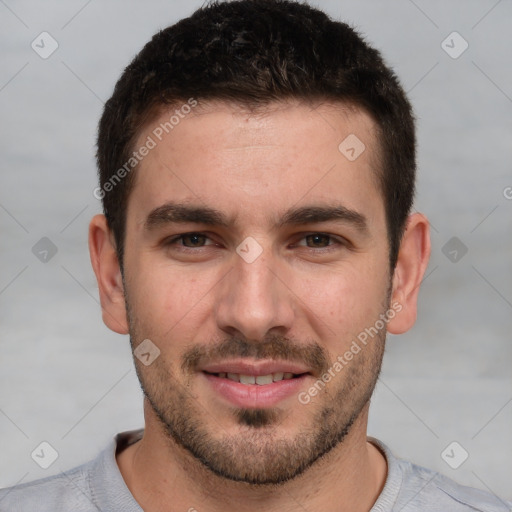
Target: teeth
x: 260, y: 379
x: 247, y: 379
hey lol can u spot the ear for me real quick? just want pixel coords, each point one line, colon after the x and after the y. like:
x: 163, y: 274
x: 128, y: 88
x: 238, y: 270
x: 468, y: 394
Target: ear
x: 412, y: 262
x: 108, y: 274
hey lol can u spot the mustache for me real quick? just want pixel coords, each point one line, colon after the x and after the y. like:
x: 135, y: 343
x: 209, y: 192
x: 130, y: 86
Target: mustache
x: 272, y: 347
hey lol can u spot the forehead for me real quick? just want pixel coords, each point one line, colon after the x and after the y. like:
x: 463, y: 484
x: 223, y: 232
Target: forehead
x: 254, y: 164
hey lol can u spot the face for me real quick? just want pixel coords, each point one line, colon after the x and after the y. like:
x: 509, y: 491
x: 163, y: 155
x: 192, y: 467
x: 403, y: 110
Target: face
x: 256, y: 254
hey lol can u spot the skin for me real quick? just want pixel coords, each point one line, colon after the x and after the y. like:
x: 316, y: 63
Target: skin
x: 302, y: 296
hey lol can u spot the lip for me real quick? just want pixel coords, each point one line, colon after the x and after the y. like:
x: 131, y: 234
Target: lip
x: 255, y: 368
x: 249, y: 396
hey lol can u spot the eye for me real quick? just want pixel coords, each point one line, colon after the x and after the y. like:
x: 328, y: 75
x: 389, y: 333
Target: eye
x: 190, y: 240
x: 320, y: 241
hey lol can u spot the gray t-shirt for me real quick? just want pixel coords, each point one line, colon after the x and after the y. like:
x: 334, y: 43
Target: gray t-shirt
x: 98, y: 486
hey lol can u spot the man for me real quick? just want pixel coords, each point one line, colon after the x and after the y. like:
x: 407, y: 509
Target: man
x: 257, y: 171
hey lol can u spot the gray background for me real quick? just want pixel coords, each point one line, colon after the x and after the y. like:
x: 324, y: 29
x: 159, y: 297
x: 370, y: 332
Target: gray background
x: 66, y: 379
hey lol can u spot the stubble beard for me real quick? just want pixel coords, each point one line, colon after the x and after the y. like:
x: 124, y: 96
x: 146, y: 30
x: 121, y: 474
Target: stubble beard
x: 259, y: 453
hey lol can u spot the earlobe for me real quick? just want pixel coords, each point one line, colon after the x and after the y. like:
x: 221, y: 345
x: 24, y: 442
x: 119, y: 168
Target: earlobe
x: 108, y: 275
x: 411, y: 265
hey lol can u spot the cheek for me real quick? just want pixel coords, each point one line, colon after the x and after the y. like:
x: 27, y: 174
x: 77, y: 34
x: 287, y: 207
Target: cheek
x: 346, y: 301
x: 168, y: 298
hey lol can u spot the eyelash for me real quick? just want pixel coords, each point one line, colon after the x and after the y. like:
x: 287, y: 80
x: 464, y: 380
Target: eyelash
x: 336, y: 241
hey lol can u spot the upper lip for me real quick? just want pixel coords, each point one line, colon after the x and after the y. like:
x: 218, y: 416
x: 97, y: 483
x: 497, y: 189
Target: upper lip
x: 255, y: 368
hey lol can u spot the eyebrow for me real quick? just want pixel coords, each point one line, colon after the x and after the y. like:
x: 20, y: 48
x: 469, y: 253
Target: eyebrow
x: 178, y: 213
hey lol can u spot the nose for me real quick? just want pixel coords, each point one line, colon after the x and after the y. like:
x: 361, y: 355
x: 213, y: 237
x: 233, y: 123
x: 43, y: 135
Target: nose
x: 255, y: 300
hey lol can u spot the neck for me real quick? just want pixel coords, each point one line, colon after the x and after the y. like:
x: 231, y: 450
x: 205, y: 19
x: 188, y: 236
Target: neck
x: 163, y: 476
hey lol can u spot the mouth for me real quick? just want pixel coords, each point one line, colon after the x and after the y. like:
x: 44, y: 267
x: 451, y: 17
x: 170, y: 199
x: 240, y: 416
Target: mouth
x: 260, y: 380
x: 257, y: 384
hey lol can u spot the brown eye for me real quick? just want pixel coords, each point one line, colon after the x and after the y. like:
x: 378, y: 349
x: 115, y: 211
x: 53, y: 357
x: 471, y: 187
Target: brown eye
x: 190, y: 241
x: 195, y: 239
x: 318, y: 240
x: 319, y: 245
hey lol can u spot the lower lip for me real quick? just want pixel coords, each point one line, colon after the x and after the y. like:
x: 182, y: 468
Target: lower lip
x: 254, y: 395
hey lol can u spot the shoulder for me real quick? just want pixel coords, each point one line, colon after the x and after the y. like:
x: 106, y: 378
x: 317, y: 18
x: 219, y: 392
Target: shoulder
x: 413, y: 488
x: 63, y: 492
x: 430, y: 490
x: 91, y: 487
